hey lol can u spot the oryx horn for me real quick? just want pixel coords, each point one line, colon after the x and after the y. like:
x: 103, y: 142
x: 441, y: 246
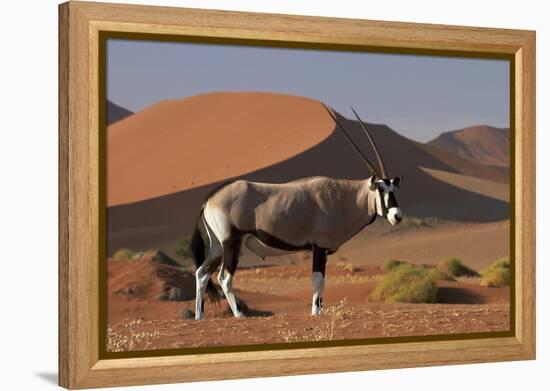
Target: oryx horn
x: 355, y: 147
x: 374, y: 147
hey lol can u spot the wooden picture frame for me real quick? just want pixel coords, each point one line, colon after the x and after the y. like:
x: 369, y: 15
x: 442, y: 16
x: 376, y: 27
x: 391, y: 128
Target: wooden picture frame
x: 80, y: 166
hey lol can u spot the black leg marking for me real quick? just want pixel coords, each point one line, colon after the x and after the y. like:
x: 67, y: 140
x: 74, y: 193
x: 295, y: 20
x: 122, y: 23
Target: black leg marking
x: 319, y: 302
x: 231, y: 250
x: 202, y: 305
x: 319, y: 260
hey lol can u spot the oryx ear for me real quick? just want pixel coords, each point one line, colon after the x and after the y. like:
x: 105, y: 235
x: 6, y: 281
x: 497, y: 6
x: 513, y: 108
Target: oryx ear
x: 397, y: 181
x: 372, y: 182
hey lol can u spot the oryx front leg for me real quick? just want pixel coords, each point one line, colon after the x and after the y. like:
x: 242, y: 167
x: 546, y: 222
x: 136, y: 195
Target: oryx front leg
x: 318, y: 286
x: 319, y: 263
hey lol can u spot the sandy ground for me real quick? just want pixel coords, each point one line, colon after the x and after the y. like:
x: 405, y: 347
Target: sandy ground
x: 278, y: 300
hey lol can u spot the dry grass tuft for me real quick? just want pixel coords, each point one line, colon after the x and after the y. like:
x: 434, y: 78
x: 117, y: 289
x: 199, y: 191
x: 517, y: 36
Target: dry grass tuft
x: 497, y: 274
x: 391, y: 264
x: 128, y: 338
x: 330, y: 321
x: 347, y: 266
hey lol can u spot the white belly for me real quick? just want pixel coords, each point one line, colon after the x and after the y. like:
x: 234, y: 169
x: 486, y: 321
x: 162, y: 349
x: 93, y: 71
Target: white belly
x: 262, y: 250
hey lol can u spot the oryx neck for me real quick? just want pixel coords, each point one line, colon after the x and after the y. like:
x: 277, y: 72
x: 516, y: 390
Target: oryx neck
x: 366, y: 200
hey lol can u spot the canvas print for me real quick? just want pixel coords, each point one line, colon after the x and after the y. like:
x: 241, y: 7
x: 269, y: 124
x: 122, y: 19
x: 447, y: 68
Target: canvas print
x: 265, y: 196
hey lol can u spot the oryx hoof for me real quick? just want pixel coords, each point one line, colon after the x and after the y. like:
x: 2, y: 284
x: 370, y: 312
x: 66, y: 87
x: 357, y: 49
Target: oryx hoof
x: 315, y: 311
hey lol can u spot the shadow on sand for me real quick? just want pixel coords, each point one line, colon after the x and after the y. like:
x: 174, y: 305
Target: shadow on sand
x: 456, y: 295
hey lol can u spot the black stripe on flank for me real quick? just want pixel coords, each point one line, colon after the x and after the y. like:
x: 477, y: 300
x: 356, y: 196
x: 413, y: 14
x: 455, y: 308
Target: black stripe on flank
x: 277, y: 243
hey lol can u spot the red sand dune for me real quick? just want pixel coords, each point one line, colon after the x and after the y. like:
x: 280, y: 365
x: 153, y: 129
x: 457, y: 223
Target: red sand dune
x: 483, y: 144
x: 176, y: 145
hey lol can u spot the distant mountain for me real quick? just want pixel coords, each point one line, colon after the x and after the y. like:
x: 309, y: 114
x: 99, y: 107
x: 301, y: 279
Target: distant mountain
x: 164, y: 159
x: 482, y: 144
x: 116, y: 113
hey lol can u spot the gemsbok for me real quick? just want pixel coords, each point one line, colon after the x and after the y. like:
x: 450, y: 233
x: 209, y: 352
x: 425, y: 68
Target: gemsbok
x: 317, y: 214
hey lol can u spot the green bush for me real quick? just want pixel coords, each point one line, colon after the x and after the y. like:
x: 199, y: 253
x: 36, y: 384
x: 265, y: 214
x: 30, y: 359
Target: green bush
x: 183, y: 248
x: 123, y: 254
x: 391, y: 264
x: 502, y: 263
x: 407, y: 283
x: 453, y: 268
x: 497, y: 274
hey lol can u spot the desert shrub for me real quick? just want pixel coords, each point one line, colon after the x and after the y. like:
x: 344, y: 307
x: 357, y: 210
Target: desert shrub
x: 498, y: 264
x: 406, y: 283
x: 497, y: 274
x: 183, y: 248
x: 391, y: 264
x: 452, y: 268
x: 123, y: 254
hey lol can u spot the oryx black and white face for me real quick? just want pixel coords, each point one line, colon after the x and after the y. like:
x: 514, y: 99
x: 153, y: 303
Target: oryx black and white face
x: 386, y: 203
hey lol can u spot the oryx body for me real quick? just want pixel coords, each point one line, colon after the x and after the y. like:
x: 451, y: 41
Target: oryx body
x: 318, y: 211
x: 316, y: 214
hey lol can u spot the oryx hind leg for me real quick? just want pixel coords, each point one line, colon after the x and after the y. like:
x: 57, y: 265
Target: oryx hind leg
x: 318, y: 277
x: 218, y: 230
x: 204, y: 273
x: 231, y: 250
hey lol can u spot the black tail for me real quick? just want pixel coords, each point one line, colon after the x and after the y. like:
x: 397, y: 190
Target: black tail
x: 198, y: 250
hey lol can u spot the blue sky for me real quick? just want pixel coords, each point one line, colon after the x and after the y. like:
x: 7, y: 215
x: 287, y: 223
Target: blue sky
x: 418, y: 96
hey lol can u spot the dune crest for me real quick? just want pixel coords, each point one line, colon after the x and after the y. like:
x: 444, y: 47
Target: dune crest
x: 482, y: 144
x: 177, y: 145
